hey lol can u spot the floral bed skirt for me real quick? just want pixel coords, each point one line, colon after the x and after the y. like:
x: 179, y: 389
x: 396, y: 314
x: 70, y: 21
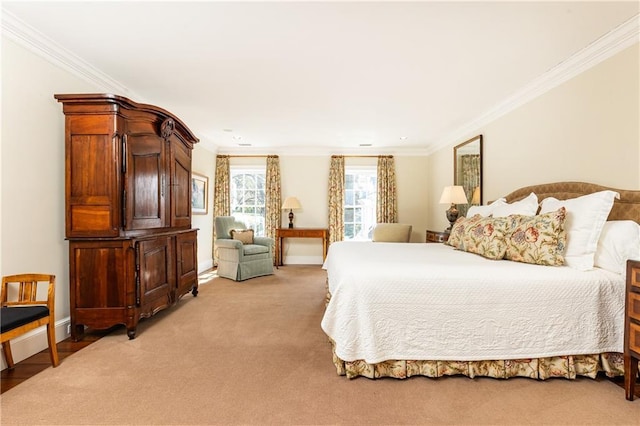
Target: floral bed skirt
x: 612, y: 364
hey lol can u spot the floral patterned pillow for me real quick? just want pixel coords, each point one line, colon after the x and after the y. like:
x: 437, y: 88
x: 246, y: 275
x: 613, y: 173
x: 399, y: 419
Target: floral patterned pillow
x: 458, y: 229
x: 540, y: 239
x: 486, y: 237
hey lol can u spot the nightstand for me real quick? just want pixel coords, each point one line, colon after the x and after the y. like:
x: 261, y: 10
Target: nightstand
x: 437, y: 237
x: 632, y: 328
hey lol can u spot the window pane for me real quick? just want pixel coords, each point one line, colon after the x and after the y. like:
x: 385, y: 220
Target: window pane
x: 360, y: 202
x: 248, y: 197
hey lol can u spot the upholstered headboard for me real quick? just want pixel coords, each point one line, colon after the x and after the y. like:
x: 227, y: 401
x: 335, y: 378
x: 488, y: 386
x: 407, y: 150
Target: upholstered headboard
x: 626, y: 208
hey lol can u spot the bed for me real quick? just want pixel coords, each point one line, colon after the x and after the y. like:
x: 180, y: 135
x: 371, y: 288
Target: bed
x: 405, y: 309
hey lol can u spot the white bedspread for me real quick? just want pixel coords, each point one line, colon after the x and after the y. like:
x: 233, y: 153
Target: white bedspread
x: 430, y: 302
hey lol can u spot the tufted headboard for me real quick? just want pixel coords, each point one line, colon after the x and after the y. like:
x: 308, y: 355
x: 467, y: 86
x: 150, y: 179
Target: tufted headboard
x: 626, y: 208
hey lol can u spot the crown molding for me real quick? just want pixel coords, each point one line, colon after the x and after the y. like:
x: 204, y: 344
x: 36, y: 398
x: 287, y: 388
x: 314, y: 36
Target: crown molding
x: 28, y: 37
x: 623, y: 36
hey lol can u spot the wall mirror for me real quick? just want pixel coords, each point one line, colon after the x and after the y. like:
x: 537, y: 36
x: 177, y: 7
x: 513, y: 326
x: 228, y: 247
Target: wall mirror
x: 467, y: 171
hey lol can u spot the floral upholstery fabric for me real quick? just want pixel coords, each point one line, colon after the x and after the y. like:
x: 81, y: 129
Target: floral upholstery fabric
x: 485, y: 237
x: 540, y: 239
x: 568, y: 367
x: 458, y: 229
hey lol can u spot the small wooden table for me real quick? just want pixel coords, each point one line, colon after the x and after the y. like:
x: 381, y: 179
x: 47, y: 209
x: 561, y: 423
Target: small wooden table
x: 437, y: 237
x: 282, y: 233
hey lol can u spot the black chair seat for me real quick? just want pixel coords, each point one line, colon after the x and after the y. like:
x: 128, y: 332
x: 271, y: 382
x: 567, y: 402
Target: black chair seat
x: 16, y: 316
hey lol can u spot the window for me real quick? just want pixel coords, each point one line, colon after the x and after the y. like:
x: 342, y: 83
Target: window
x: 248, y: 197
x: 360, y: 192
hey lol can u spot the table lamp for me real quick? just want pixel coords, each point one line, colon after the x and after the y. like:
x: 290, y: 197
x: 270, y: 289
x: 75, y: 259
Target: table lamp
x: 453, y: 195
x: 291, y: 203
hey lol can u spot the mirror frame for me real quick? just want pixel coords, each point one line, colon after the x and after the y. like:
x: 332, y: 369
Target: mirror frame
x: 457, y: 154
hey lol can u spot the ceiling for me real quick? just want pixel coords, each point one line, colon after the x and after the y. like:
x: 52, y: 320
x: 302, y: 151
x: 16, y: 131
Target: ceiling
x: 315, y: 77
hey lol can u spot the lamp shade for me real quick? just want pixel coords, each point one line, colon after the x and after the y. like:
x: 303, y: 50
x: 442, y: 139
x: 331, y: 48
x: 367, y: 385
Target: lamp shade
x: 291, y: 203
x: 453, y: 195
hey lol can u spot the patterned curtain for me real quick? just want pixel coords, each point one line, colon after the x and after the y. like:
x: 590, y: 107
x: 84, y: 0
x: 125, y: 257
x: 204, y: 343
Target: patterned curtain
x: 336, y: 199
x: 387, y: 205
x: 470, y: 178
x: 273, y: 198
x: 222, y: 194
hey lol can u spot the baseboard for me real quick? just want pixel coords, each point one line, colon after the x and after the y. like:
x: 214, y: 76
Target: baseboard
x: 303, y: 260
x: 35, y: 341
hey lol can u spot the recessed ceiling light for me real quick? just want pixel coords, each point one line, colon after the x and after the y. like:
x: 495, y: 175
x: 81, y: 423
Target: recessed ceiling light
x: 365, y: 144
x: 244, y: 144
x: 403, y: 138
x: 227, y: 130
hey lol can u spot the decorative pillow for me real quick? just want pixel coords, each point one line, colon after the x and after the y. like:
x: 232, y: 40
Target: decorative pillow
x: 485, y: 237
x: 485, y: 210
x: 245, y: 236
x: 586, y: 216
x: 458, y: 230
x: 526, y: 207
x: 619, y: 242
x: 540, y: 239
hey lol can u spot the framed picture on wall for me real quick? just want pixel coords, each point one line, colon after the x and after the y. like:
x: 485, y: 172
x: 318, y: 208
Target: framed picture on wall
x: 199, y: 191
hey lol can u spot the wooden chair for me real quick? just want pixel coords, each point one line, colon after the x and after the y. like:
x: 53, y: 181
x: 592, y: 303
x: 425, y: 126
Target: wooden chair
x: 24, y: 311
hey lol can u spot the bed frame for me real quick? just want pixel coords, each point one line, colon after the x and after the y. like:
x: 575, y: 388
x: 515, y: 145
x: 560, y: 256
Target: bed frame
x: 570, y: 366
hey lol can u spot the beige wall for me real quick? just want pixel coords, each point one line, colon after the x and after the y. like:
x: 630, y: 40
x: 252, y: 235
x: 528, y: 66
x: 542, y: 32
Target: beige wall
x: 32, y: 167
x: 586, y: 129
x: 204, y: 163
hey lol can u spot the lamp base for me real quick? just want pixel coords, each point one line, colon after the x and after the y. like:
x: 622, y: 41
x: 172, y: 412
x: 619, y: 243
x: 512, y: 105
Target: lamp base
x: 452, y: 216
x: 291, y: 218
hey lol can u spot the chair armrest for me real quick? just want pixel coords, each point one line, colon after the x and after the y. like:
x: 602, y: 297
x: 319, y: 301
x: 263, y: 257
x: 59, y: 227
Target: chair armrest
x: 229, y: 243
x: 264, y: 241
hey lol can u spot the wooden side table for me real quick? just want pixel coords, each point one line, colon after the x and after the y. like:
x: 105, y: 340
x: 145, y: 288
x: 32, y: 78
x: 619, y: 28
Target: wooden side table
x: 632, y: 328
x: 282, y: 233
x: 437, y: 237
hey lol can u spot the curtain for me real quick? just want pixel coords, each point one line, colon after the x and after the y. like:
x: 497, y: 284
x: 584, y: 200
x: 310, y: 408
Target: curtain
x: 336, y: 199
x: 273, y: 198
x: 387, y: 204
x: 470, y: 178
x: 222, y: 194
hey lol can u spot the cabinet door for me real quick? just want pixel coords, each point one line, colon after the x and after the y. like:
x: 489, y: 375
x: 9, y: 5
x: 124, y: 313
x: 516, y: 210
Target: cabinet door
x: 155, y: 278
x: 92, y: 193
x: 180, y: 184
x: 145, y: 177
x: 187, y: 263
x: 102, y: 288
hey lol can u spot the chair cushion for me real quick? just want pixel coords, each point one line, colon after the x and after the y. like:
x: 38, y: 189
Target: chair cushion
x: 17, y: 316
x: 250, y: 249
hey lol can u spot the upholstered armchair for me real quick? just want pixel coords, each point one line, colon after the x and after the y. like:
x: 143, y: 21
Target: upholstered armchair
x: 241, y: 255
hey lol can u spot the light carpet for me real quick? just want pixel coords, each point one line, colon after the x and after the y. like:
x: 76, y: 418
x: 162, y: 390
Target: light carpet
x: 253, y: 353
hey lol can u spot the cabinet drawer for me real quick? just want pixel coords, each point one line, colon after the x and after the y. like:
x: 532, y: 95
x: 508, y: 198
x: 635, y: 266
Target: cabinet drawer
x: 634, y: 277
x: 634, y: 338
x: 302, y: 233
x: 634, y: 306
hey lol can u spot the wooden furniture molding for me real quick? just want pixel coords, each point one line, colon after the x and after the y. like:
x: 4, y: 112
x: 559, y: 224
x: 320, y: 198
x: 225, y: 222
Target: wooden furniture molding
x: 282, y: 233
x: 632, y: 328
x: 437, y: 237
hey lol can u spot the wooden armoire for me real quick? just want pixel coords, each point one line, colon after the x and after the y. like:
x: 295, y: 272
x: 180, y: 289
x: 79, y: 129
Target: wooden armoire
x: 132, y: 251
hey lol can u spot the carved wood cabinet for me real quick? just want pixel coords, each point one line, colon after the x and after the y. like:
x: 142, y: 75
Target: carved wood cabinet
x: 132, y: 251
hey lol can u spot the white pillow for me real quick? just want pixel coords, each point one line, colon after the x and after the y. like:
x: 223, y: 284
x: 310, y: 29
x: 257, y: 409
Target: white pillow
x: 619, y: 242
x: 586, y: 216
x: 485, y: 211
x: 526, y: 207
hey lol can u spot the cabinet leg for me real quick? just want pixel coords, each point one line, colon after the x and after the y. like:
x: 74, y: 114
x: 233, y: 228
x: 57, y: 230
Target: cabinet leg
x: 77, y: 332
x: 630, y: 374
x: 194, y: 291
x: 131, y: 332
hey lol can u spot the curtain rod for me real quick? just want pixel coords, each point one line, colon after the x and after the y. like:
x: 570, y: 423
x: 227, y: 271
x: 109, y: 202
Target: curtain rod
x: 364, y: 156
